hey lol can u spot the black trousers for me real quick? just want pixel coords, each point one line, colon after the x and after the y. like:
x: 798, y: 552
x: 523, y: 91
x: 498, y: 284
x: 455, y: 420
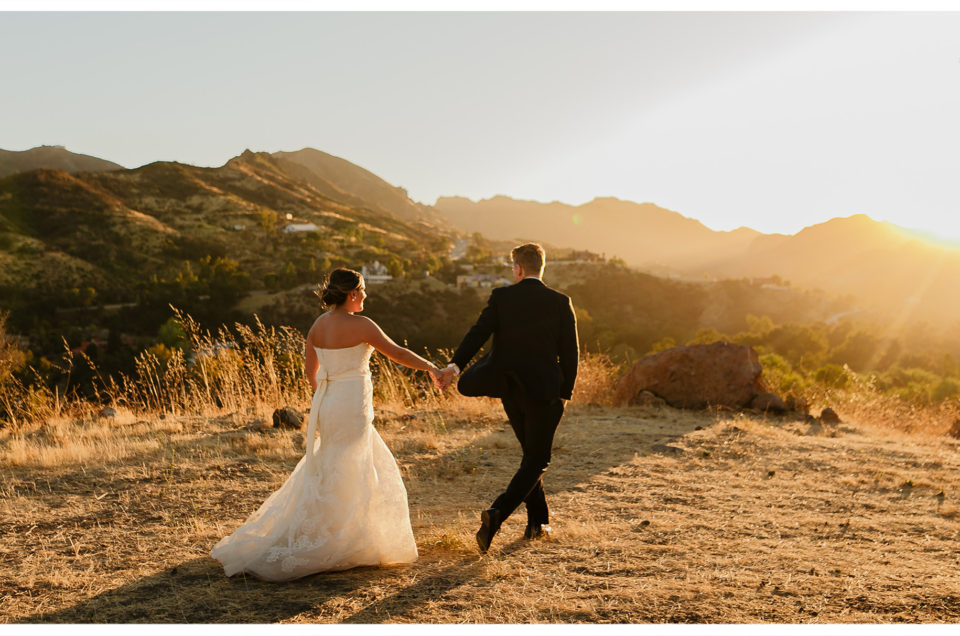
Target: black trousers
x: 534, y: 422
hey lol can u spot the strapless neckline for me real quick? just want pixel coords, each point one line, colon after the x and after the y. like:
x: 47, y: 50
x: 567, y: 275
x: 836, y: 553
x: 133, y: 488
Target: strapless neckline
x: 341, y: 348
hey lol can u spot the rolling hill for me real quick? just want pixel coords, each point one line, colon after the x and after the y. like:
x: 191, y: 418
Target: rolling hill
x: 642, y: 234
x: 884, y: 267
x: 111, y: 229
x: 51, y: 158
x: 116, y: 231
x: 344, y: 181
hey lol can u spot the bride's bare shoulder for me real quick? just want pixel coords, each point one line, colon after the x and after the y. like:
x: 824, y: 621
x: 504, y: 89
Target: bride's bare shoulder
x: 358, y: 325
x: 316, y: 327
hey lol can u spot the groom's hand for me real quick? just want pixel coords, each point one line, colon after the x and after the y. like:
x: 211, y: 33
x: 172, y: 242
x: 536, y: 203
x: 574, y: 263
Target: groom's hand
x: 447, y: 375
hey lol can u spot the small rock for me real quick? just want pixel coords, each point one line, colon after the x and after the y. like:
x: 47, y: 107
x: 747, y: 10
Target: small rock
x: 829, y: 416
x: 108, y: 412
x: 287, y: 418
x: 768, y: 402
x: 258, y: 425
x: 797, y: 404
x: 646, y: 398
x: 666, y: 448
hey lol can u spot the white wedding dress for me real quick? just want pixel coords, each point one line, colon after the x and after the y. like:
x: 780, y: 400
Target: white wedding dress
x: 344, y: 505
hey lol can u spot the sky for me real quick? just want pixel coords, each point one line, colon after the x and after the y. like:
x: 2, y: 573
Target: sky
x: 774, y: 121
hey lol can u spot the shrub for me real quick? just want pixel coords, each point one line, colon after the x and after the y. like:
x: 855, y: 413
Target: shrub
x: 779, y: 375
x: 834, y: 376
x: 597, y: 378
x: 945, y: 389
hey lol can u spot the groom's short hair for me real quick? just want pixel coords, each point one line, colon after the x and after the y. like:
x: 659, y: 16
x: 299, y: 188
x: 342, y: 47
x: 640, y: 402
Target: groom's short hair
x: 530, y: 257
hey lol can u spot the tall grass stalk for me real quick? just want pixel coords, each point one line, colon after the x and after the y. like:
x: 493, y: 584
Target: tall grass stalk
x: 251, y: 370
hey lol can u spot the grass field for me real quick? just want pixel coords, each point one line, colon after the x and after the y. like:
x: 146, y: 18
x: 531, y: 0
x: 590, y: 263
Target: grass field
x: 659, y: 515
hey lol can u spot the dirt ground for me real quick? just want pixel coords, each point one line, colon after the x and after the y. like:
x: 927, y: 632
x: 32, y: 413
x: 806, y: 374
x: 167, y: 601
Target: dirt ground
x: 659, y: 516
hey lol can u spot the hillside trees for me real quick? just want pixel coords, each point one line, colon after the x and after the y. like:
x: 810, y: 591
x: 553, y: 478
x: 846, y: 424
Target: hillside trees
x: 636, y: 309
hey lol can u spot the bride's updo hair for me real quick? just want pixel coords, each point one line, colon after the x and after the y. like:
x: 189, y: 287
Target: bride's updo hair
x: 338, y: 285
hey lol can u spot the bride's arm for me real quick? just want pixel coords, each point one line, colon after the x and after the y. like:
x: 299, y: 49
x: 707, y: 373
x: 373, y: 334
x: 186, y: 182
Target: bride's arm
x: 310, y: 364
x: 374, y: 336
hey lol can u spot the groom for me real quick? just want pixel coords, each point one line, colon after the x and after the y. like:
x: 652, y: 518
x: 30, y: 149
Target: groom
x: 531, y: 367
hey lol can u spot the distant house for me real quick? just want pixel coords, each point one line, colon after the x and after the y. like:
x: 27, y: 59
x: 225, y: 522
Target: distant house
x: 99, y: 344
x: 239, y: 228
x: 86, y: 344
x: 375, y: 273
x: 579, y: 257
x: 300, y: 227
x: 481, y: 280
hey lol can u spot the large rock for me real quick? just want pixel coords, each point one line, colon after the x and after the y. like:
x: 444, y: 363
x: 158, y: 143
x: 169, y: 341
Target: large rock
x: 696, y: 376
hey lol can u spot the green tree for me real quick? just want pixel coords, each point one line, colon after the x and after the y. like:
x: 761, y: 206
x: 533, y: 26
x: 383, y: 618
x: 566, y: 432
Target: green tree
x: 395, y: 268
x: 223, y: 279
x: 268, y: 221
x: 759, y: 324
x: 288, y: 276
x: 833, y: 376
x: 946, y: 388
x: 860, y: 351
x: 172, y: 335
x: 804, y: 346
x: 707, y: 336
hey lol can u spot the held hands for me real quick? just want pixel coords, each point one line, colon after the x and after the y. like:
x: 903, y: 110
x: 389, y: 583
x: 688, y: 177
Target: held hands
x: 442, y: 379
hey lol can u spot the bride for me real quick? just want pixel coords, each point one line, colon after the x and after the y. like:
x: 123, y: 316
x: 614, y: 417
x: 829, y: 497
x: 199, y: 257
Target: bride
x: 344, y: 505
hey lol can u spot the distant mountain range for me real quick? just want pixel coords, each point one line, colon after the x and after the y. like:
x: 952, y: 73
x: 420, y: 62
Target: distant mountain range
x: 51, y: 158
x: 642, y: 234
x: 884, y: 267
x: 71, y: 219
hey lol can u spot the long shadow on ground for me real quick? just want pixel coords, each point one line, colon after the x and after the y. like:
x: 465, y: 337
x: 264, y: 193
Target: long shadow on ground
x: 196, y: 591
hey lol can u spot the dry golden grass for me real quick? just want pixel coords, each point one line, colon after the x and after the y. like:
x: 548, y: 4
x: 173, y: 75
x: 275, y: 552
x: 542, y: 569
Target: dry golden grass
x: 890, y: 413
x: 741, y: 519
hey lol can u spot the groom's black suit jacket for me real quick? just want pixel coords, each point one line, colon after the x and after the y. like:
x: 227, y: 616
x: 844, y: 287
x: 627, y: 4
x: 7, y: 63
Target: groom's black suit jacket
x: 534, y: 334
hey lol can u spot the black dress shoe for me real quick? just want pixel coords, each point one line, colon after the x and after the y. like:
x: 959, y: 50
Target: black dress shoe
x: 490, y: 521
x: 537, y: 531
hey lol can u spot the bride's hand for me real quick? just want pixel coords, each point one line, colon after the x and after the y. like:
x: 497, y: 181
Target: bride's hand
x: 435, y: 375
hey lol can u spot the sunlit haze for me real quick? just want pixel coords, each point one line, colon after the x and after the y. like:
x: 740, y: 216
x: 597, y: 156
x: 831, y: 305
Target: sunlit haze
x: 774, y: 121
